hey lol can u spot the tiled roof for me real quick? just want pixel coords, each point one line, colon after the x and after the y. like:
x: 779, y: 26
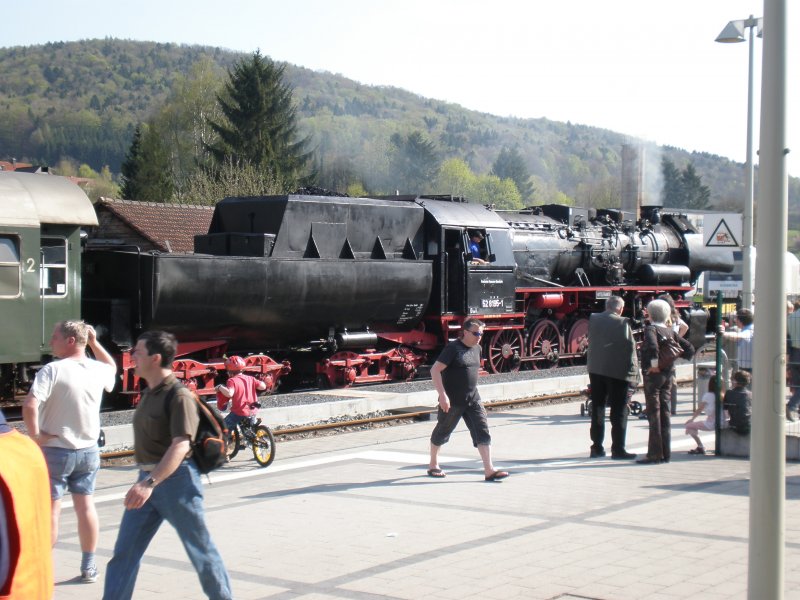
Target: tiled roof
x: 12, y: 166
x: 169, y: 227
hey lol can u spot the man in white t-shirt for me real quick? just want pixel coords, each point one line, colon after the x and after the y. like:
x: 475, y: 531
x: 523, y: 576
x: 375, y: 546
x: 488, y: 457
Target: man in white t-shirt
x: 62, y: 413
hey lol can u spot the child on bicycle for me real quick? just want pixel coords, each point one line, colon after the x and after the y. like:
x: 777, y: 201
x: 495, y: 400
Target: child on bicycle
x: 241, y: 390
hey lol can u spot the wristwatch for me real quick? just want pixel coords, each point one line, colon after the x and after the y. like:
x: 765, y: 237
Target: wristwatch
x: 150, y: 482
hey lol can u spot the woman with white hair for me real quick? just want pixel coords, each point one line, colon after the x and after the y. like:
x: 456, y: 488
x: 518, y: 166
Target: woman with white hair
x: 658, y: 372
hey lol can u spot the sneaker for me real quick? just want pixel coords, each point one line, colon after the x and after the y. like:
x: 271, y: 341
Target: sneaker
x: 89, y: 575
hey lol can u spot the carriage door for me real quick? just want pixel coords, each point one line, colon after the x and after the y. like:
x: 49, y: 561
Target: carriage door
x: 58, y: 287
x: 455, y: 278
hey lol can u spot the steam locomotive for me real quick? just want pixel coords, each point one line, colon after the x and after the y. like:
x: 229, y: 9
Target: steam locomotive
x: 352, y: 290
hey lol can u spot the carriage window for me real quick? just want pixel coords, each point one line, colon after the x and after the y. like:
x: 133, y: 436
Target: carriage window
x: 53, y: 280
x: 9, y: 266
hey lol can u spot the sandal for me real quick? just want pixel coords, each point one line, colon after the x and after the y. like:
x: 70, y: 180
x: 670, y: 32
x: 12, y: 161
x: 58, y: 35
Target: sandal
x: 698, y: 450
x: 437, y: 473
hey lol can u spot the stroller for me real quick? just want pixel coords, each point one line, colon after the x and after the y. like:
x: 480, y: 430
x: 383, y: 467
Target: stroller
x: 634, y: 405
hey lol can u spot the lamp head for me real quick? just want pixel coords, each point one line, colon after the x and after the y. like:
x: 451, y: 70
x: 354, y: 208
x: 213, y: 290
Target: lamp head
x: 733, y: 33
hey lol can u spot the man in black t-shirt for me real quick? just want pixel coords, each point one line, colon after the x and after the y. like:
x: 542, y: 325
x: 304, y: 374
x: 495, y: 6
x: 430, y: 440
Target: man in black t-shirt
x: 455, y: 376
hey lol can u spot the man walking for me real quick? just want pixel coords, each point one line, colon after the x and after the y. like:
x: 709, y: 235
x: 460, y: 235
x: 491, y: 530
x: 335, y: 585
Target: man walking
x: 62, y: 413
x: 612, y: 367
x: 455, y: 376
x: 168, y: 487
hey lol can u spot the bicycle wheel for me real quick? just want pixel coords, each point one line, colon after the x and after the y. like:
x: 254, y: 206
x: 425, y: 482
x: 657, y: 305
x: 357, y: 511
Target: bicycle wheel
x: 264, y: 446
x: 234, y: 439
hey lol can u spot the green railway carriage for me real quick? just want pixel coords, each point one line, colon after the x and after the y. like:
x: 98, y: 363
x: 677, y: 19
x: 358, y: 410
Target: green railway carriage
x: 40, y: 265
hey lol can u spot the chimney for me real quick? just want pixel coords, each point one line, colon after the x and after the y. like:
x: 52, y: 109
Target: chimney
x: 632, y: 173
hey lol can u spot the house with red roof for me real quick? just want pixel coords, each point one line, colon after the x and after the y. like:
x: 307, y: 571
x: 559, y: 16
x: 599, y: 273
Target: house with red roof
x: 150, y: 225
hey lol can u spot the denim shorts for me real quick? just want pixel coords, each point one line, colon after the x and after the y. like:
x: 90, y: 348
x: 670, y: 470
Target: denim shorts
x: 73, y: 470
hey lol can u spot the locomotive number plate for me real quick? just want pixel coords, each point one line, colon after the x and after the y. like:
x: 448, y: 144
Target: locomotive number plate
x: 601, y: 294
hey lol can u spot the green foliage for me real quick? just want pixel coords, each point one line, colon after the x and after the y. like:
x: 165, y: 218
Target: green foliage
x: 683, y: 189
x: 146, y: 174
x: 600, y: 193
x: 183, y: 120
x: 96, y: 185
x: 102, y: 185
x: 356, y: 190
x: 130, y: 168
x: 510, y: 164
x: 457, y: 179
x: 209, y: 186
x: 260, y: 125
x: 414, y: 162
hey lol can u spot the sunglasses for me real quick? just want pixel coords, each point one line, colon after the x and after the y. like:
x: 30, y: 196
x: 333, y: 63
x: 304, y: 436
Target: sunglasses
x: 477, y: 334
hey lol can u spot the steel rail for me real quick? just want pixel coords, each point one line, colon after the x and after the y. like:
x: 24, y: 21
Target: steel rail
x: 370, y: 420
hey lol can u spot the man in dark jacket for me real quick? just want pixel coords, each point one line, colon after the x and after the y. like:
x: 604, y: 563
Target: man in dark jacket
x: 612, y: 369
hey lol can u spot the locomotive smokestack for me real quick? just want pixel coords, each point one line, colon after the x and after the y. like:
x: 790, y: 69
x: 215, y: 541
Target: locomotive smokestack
x: 632, y: 175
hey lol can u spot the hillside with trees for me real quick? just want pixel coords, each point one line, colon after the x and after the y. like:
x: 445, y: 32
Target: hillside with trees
x: 96, y: 104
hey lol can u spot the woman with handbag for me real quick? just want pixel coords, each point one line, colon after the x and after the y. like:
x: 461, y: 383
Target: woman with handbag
x: 659, y: 350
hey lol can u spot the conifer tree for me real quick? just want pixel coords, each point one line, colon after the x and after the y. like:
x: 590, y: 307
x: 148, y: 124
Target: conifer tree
x: 683, y: 189
x: 130, y: 167
x: 146, y: 172
x: 415, y: 162
x: 260, y: 123
x: 511, y: 165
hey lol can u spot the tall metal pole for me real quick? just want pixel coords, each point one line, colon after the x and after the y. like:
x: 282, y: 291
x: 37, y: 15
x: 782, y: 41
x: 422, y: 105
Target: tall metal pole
x: 768, y: 441
x: 747, y: 238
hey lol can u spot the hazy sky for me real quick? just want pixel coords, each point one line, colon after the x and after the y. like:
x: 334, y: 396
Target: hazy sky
x: 648, y: 68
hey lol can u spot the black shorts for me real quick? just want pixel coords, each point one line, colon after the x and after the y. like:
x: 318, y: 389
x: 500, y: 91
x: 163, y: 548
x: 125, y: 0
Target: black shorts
x: 474, y: 415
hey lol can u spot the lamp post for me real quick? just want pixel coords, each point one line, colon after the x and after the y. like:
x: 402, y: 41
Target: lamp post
x: 733, y: 33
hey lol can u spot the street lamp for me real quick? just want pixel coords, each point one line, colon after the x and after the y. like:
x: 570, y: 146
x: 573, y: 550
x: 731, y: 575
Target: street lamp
x: 734, y: 33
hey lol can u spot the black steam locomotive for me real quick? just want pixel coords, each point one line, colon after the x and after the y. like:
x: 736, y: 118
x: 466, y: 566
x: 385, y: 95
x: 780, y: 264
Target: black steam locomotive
x: 352, y: 290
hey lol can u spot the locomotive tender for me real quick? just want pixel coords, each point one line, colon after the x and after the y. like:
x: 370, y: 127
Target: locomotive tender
x: 351, y: 290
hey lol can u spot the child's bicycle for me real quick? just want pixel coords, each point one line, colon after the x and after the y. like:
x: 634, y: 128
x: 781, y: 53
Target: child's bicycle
x: 250, y: 432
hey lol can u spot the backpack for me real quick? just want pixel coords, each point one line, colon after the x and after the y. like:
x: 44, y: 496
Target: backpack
x: 668, y: 350
x: 210, y: 441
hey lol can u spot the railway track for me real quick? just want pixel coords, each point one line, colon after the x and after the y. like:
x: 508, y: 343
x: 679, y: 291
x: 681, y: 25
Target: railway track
x: 399, y: 417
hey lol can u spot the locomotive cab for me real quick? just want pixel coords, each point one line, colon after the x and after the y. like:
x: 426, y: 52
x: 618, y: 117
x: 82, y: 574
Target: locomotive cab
x: 462, y: 285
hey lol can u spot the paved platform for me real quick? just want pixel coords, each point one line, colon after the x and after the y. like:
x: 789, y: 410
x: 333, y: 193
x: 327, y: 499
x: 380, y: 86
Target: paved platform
x: 355, y: 516
x: 362, y: 401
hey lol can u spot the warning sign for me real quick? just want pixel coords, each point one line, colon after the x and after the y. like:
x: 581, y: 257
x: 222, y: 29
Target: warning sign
x: 722, y: 230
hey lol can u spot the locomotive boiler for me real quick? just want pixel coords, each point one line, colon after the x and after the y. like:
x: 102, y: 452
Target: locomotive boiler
x: 566, y: 246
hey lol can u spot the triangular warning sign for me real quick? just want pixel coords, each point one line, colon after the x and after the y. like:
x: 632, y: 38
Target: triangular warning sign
x: 722, y: 236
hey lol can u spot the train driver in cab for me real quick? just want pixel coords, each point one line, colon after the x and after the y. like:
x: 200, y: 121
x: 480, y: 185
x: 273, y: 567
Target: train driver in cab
x: 475, y: 239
